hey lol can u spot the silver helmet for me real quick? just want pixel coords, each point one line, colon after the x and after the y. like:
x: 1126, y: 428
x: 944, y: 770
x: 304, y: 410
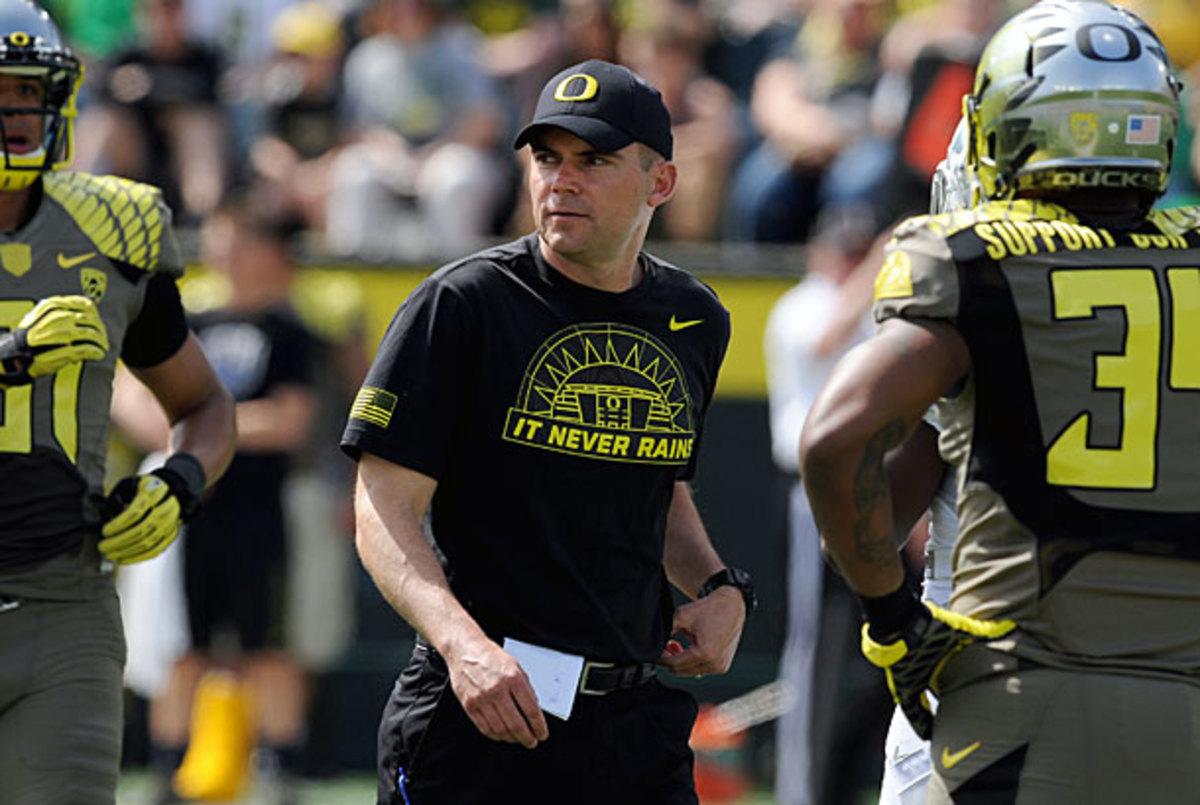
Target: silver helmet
x: 31, y: 46
x: 1069, y: 94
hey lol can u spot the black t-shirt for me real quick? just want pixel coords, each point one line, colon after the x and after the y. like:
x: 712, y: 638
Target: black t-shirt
x: 556, y: 419
x: 253, y: 354
x: 149, y: 86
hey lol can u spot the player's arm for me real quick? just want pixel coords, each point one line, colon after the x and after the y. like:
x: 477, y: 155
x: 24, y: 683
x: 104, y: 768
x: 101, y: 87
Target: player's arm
x: 714, y: 623
x: 390, y: 505
x: 198, y: 407
x: 142, y: 514
x: 915, y: 470
x: 870, y: 405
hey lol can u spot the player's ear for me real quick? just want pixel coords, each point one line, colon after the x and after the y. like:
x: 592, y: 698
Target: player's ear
x: 662, y: 182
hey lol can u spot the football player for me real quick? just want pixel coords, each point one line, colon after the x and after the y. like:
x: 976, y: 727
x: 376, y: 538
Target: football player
x: 918, y: 474
x: 1064, y: 309
x: 87, y: 277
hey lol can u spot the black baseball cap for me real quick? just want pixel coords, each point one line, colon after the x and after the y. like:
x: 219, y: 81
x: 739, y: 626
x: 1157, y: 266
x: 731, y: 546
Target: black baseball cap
x: 604, y: 104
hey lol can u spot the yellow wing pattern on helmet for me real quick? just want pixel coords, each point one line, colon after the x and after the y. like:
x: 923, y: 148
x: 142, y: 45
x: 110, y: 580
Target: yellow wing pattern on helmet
x: 126, y: 220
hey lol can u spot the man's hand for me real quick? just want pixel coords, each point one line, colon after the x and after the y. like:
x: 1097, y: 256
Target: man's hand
x: 713, y: 625
x: 58, y: 332
x: 496, y: 694
x: 143, y: 513
x: 914, y: 657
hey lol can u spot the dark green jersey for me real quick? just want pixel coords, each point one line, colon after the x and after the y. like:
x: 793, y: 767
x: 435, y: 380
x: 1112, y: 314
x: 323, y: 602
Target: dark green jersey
x: 1078, y: 435
x: 104, y: 238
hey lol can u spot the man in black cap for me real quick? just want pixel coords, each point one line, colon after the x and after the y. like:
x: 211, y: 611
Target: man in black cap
x: 525, y: 439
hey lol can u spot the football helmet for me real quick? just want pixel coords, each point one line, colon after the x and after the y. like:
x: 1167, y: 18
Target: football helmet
x: 1073, y: 94
x: 954, y: 185
x: 31, y: 45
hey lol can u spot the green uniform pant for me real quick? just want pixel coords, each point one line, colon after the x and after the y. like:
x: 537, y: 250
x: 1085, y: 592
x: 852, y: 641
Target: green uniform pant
x: 60, y: 701
x: 1051, y: 737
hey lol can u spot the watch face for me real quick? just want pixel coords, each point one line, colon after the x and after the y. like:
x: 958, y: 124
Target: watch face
x: 734, y: 577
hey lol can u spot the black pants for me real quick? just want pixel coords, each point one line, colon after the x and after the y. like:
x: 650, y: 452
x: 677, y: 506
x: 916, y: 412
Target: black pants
x: 629, y: 747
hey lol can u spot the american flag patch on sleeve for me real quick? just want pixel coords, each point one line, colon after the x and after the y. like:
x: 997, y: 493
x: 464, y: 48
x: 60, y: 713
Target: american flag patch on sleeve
x: 1142, y: 129
x: 373, y: 405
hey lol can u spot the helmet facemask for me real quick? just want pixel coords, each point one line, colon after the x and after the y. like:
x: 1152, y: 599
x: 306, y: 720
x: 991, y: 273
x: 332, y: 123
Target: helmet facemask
x: 32, y: 48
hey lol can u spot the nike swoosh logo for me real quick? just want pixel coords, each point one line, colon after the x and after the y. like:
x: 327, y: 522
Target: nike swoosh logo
x: 676, y: 326
x: 71, y: 262
x: 952, y: 759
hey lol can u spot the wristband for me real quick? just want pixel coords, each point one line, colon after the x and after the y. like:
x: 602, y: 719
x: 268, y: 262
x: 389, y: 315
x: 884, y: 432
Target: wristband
x: 888, y: 615
x: 184, y: 473
x: 189, y: 468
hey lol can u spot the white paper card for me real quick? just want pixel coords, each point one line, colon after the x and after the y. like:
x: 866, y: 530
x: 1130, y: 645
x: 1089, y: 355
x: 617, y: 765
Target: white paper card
x: 554, y: 675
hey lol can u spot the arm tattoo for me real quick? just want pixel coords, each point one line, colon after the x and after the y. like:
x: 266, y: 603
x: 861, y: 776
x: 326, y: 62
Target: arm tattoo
x: 870, y: 490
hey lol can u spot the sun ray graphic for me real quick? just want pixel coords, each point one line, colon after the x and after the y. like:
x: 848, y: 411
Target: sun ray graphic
x: 609, y: 376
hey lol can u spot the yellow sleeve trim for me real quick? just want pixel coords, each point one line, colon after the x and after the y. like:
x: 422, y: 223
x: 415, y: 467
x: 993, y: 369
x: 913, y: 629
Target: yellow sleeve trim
x: 124, y: 219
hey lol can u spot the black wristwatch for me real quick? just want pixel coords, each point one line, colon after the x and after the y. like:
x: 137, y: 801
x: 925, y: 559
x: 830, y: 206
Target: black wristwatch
x: 734, y: 577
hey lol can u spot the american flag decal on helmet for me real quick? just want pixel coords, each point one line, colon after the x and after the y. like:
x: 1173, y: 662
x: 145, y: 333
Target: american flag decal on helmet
x: 1142, y: 129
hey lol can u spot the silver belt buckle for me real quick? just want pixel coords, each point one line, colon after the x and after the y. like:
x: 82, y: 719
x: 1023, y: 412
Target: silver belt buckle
x: 9, y: 604
x: 588, y: 665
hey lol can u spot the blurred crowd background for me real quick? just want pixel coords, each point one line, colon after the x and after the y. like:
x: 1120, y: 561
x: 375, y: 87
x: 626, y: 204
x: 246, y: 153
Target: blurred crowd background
x: 376, y: 135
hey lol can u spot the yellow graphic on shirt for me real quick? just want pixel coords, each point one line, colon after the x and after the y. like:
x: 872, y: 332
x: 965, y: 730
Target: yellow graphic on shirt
x: 94, y: 283
x: 605, y: 391
x: 373, y: 405
x: 17, y: 258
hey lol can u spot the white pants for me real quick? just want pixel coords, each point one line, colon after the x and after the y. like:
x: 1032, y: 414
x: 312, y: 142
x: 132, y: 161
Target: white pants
x: 906, y: 764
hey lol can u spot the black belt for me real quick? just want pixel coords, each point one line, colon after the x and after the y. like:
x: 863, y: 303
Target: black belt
x: 596, y: 679
x: 601, y: 678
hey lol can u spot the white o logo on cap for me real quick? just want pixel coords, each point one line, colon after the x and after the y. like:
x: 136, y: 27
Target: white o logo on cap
x: 590, y: 87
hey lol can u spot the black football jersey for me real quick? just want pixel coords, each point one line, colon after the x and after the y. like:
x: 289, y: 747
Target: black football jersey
x: 105, y: 238
x: 1077, y: 438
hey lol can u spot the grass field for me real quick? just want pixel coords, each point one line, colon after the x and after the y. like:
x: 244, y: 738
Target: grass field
x: 353, y: 789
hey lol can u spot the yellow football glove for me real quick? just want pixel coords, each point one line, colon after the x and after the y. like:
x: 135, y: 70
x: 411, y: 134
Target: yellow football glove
x: 913, y: 658
x: 143, y: 513
x: 58, y: 332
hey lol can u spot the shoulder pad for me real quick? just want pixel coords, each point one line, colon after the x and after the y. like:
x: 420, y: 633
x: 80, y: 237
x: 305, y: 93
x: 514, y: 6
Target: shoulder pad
x: 951, y: 223
x: 126, y: 220
x: 1177, y: 221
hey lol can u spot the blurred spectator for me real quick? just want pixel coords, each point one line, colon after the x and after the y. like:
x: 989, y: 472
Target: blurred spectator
x: 703, y: 119
x: 156, y: 118
x: 241, y: 29
x: 299, y: 100
x: 567, y: 32
x: 748, y: 35
x: 812, y: 110
x: 235, y: 549
x: 523, y: 60
x: 816, y: 610
x: 928, y: 57
x: 322, y: 566
x: 424, y: 175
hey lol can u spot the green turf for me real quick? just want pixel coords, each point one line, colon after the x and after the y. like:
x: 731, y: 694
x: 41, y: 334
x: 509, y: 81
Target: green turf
x: 350, y: 789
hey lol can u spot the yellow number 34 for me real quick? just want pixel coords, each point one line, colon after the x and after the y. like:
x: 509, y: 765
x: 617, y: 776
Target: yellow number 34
x: 1135, y: 372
